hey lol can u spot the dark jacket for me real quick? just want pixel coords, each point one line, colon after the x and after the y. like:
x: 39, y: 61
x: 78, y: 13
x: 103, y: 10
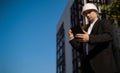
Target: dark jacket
x: 100, y: 54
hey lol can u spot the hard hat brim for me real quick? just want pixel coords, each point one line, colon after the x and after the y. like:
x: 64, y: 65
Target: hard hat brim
x: 83, y: 13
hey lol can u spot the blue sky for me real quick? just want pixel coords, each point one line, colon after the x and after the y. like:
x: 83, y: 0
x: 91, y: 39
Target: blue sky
x: 28, y: 35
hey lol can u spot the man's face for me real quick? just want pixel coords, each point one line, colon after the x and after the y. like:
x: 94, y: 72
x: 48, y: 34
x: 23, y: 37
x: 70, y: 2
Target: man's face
x: 91, y: 15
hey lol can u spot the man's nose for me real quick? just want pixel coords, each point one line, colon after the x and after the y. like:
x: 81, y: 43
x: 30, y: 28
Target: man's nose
x: 87, y: 15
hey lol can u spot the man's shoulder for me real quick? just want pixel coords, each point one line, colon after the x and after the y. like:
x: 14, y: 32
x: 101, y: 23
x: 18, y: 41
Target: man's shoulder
x: 104, y: 20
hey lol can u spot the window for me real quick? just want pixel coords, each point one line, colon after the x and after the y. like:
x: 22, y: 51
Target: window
x: 61, y: 50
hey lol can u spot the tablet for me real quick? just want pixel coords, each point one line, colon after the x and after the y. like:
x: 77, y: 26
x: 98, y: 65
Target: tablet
x: 76, y: 29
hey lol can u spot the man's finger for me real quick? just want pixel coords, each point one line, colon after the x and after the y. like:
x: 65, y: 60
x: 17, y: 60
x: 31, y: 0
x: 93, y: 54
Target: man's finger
x: 84, y: 31
x: 79, y: 35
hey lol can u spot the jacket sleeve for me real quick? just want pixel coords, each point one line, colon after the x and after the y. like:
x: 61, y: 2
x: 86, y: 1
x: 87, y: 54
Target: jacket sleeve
x: 76, y: 44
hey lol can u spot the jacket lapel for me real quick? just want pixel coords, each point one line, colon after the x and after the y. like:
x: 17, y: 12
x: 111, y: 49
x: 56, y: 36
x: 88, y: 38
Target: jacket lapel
x: 96, y: 26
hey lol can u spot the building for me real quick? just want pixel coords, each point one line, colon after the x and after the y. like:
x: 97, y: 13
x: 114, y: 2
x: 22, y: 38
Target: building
x: 67, y: 58
x: 63, y: 48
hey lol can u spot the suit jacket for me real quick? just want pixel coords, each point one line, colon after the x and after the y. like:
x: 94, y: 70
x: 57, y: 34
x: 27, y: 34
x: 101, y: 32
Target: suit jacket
x: 100, y: 53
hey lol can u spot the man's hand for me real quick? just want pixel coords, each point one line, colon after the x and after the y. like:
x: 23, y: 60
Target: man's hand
x: 70, y: 34
x: 83, y: 37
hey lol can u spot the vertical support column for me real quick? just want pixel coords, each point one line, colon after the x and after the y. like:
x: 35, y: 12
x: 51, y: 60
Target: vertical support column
x: 86, y: 20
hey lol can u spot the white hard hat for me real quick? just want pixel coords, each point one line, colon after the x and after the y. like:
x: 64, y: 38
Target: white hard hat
x: 89, y: 6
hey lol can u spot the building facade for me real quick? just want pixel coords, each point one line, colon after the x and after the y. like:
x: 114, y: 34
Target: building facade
x: 63, y: 48
x: 67, y: 58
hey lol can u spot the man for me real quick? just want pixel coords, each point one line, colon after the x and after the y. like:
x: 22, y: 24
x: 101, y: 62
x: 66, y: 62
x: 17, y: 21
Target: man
x: 97, y: 38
